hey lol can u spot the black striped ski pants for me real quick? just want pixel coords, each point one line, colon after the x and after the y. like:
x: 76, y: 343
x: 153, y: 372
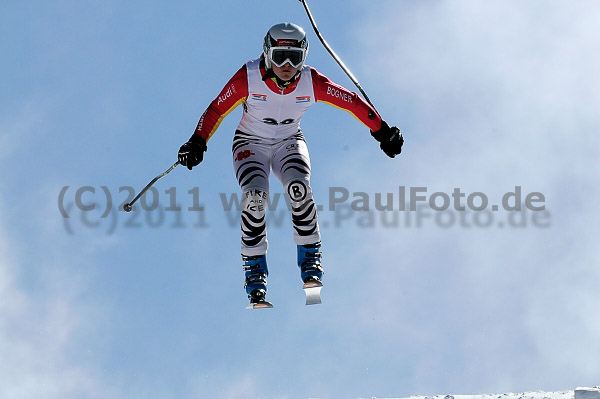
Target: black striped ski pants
x: 253, y: 159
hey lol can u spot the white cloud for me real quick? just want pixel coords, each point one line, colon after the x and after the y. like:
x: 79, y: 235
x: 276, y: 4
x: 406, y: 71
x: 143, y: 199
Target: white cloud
x: 18, y: 124
x: 500, y: 94
x: 217, y: 386
x: 508, y: 84
x: 49, y: 327
x: 35, y: 339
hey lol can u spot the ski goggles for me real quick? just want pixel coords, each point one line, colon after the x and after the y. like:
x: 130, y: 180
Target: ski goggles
x: 281, y: 55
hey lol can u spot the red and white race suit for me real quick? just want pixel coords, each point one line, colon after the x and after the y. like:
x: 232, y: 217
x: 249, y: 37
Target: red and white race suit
x: 269, y: 137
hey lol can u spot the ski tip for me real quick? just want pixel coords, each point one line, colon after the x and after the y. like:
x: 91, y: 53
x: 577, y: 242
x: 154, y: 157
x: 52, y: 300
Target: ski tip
x: 313, y: 294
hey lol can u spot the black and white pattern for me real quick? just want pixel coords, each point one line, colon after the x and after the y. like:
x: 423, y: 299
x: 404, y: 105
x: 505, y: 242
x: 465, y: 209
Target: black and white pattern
x: 249, y: 173
x: 253, y: 159
x: 292, y: 166
x: 241, y: 139
x: 251, y: 164
x: 304, y: 218
x: 253, y: 224
x: 296, y: 162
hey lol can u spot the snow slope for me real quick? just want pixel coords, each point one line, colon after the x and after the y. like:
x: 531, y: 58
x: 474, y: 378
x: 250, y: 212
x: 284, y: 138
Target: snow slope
x: 526, y: 395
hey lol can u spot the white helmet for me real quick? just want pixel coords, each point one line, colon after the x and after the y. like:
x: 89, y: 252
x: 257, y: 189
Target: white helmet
x: 284, y: 43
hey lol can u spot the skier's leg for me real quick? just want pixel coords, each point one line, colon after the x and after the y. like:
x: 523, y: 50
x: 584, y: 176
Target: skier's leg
x: 254, y: 242
x: 252, y: 166
x: 291, y: 165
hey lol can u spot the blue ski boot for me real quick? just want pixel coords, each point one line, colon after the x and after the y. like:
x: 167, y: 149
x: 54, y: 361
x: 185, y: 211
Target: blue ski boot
x: 309, y: 262
x: 256, y: 272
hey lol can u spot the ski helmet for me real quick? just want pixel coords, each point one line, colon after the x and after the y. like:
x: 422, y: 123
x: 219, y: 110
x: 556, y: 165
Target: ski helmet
x: 285, y: 42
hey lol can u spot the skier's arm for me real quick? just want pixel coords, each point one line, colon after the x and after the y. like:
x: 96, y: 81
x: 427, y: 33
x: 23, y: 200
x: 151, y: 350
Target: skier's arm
x: 331, y: 93
x: 234, y: 93
x: 390, y: 138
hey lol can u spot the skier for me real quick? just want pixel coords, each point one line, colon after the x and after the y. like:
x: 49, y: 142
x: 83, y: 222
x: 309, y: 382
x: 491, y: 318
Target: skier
x: 275, y: 91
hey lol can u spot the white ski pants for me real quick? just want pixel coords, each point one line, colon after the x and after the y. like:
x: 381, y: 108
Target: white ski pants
x: 253, y: 159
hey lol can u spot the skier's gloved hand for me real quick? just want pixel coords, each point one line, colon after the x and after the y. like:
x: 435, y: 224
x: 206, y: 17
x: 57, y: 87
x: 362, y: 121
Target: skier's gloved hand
x: 390, y: 138
x: 191, y: 153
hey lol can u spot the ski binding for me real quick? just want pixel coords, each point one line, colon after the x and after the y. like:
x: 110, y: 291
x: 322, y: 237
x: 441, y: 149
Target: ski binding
x: 260, y: 305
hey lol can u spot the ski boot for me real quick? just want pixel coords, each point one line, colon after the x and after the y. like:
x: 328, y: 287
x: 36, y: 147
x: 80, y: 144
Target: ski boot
x: 256, y: 272
x: 311, y: 271
x: 309, y: 262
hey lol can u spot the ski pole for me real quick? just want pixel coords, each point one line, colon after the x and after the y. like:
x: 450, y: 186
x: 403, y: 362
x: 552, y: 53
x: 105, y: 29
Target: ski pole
x: 129, y: 206
x: 334, y: 55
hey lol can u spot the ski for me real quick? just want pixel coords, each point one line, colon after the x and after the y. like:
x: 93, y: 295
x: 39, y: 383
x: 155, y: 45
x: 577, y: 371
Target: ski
x: 260, y: 305
x: 312, y: 289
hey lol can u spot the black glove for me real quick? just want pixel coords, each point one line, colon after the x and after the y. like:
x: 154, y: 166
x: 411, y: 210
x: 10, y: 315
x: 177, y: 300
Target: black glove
x: 390, y: 138
x: 191, y: 153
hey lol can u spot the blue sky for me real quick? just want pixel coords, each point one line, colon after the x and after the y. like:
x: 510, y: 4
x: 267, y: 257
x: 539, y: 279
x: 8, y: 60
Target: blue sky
x: 489, y: 95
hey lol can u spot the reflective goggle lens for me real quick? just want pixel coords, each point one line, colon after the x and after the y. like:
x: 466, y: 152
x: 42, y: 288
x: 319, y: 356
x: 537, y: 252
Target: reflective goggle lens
x: 279, y: 57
